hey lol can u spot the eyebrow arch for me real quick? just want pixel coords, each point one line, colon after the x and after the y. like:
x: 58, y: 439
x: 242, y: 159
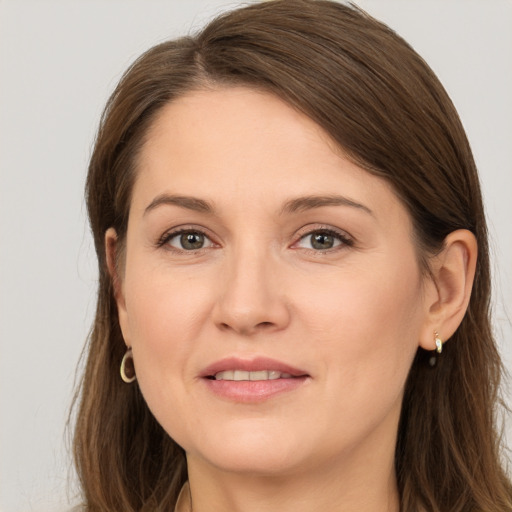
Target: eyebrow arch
x: 302, y: 204
x: 188, y: 202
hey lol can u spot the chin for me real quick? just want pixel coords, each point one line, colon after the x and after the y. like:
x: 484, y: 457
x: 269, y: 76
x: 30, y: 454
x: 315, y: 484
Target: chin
x: 254, y: 462
x: 254, y: 451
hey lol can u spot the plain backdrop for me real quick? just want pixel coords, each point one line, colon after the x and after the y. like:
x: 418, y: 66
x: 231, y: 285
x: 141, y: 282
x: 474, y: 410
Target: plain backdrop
x: 59, y: 60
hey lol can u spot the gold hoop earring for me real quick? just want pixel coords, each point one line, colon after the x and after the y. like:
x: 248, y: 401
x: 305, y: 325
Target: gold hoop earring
x: 439, y: 348
x: 128, y: 368
x: 439, y: 342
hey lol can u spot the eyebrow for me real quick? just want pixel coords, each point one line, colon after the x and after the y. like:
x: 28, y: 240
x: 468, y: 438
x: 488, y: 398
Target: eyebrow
x: 188, y: 202
x: 297, y: 205
x: 301, y: 204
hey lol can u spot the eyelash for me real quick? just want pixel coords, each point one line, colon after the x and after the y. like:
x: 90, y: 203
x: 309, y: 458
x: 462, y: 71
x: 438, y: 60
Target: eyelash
x: 342, y: 237
x: 168, y: 236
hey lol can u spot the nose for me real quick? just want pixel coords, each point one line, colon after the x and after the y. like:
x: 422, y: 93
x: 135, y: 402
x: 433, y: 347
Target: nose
x: 251, y: 295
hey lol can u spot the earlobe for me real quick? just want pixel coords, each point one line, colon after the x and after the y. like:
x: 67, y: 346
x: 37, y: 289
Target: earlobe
x: 453, y: 272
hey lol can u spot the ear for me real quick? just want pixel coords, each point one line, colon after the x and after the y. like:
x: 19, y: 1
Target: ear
x: 112, y: 255
x: 449, y: 288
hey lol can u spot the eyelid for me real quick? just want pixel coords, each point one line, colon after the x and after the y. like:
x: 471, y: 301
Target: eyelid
x: 345, y: 238
x: 163, y: 241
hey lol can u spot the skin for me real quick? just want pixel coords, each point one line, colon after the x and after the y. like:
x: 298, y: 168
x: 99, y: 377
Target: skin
x: 351, y: 316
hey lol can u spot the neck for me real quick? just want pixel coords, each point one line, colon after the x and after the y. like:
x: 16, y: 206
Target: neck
x: 366, y: 486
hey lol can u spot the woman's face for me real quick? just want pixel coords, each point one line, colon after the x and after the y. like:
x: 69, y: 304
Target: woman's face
x: 271, y: 290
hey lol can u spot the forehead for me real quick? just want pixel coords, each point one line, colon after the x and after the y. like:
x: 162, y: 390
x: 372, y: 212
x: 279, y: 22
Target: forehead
x: 247, y: 115
x: 236, y: 141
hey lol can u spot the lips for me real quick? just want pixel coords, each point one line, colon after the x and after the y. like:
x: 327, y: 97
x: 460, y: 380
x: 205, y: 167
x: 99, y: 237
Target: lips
x: 239, y: 375
x: 252, y: 381
x: 260, y: 364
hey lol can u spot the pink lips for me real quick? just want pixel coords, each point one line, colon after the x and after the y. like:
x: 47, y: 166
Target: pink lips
x: 254, y: 365
x: 252, y: 391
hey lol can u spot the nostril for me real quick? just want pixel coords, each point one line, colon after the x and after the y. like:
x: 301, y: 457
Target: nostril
x: 264, y: 324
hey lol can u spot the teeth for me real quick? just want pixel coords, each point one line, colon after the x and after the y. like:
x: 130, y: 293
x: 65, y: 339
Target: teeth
x: 263, y: 375
x: 244, y: 375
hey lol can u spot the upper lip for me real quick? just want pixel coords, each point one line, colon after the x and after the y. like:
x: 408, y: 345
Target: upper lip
x: 251, y: 365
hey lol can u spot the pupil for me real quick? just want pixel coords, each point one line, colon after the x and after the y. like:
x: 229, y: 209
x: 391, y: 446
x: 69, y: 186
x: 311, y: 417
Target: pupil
x: 192, y: 241
x: 322, y: 241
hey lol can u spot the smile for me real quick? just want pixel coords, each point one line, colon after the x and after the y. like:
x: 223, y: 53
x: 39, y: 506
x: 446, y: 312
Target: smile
x: 253, y: 381
x: 241, y: 375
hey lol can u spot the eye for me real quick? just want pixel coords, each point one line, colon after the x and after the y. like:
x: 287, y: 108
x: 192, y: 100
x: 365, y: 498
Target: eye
x: 188, y: 240
x: 323, y: 240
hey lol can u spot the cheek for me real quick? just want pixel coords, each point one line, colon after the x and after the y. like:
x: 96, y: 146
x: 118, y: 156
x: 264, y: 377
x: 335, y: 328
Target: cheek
x: 165, y: 318
x: 365, y: 334
x: 163, y: 303
x: 367, y: 326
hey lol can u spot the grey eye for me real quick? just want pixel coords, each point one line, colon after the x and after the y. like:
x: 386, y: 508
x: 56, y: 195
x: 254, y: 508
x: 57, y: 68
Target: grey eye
x: 320, y: 240
x: 189, y: 241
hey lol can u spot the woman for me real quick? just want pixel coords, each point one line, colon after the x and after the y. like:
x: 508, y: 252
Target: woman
x: 294, y: 279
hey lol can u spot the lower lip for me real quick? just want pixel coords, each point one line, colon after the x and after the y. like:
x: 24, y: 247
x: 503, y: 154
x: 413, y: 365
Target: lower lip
x: 247, y: 391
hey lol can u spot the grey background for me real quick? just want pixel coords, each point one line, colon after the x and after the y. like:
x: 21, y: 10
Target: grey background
x: 59, y: 60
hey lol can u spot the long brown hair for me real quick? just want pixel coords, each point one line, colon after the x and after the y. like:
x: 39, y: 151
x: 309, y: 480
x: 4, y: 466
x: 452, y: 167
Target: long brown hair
x: 384, y: 106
